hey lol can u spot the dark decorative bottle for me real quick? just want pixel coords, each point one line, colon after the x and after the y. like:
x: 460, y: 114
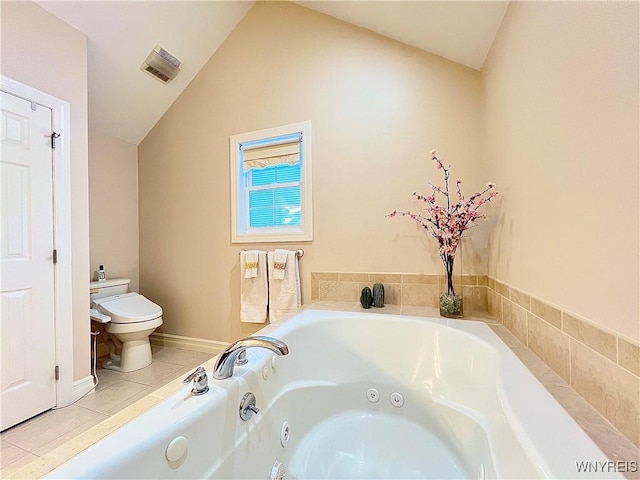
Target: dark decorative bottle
x: 366, y: 298
x: 378, y: 295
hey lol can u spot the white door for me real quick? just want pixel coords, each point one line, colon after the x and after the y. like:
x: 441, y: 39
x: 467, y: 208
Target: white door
x: 27, y: 328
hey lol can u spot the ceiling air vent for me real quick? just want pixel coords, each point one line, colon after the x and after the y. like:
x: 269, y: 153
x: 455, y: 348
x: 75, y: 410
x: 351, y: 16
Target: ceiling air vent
x: 162, y: 65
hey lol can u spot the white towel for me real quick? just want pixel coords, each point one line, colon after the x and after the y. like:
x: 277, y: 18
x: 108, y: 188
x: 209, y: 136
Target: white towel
x: 251, y: 263
x: 254, y: 291
x: 284, y: 295
x: 279, y: 263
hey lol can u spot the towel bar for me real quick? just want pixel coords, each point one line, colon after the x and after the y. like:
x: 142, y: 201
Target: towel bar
x: 299, y: 252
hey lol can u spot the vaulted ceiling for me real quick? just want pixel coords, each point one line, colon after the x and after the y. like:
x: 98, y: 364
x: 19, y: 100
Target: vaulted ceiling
x: 121, y: 34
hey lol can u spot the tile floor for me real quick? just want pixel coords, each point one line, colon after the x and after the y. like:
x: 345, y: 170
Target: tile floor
x: 33, y: 438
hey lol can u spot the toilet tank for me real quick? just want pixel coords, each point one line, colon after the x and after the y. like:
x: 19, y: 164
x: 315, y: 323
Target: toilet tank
x: 106, y: 288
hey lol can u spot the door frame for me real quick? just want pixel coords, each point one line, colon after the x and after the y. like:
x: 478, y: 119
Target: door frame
x: 67, y: 390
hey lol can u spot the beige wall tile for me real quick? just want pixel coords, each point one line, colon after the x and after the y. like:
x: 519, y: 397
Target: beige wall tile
x: 601, y: 341
x: 483, y: 280
x: 442, y: 282
x: 491, y: 282
x: 546, y: 312
x: 315, y: 293
x: 629, y: 356
x: 418, y: 278
x: 514, y: 317
x: 502, y: 289
x: 611, y: 389
x: 609, y: 439
x: 420, y: 295
x: 353, y: 277
x: 325, y: 275
x: 494, y: 304
x: 482, y: 316
x: 338, y: 306
x: 469, y: 279
x: 550, y: 344
x: 392, y: 294
x: 520, y: 298
x: 338, y: 291
x: 475, y: 298
x: 385, y: 278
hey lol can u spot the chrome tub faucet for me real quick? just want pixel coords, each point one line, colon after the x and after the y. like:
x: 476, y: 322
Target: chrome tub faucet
x: 199, y: 379
x: 227, y: 359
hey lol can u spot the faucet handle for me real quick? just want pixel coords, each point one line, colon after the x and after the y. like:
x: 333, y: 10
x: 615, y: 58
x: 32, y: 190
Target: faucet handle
x: 200, y: 380
x: 248, y: 406
x: 198, y: 371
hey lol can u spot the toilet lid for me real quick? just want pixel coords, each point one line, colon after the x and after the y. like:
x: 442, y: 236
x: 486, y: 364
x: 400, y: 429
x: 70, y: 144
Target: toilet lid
x: 129, y: 308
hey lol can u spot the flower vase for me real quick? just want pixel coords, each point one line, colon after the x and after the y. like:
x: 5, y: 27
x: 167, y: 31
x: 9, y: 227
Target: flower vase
x: 450, y: 305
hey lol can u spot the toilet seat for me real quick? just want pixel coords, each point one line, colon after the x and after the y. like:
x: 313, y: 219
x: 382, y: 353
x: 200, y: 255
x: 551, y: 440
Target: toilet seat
x: 130, y: 308
x: 117, y: 328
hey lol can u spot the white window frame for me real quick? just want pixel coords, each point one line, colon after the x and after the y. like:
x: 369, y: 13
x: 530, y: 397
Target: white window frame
x: 240, y: 230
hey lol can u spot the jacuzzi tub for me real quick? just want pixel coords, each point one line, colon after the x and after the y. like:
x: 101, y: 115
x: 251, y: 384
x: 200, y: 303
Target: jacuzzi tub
x: 360, y: 395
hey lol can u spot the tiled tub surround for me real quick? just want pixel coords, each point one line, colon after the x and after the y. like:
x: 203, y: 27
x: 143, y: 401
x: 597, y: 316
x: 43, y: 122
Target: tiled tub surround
x: 414, y: 290
x: 600, y: 365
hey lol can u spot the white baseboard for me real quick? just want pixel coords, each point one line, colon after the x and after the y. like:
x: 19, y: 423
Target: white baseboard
x: 82, y: 386
x: 188, y: 343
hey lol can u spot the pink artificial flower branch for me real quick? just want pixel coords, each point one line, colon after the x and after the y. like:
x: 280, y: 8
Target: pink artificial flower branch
x: 447, y: 223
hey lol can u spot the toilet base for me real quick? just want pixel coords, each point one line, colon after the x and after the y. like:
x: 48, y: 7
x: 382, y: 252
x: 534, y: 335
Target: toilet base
x: 136, y: 354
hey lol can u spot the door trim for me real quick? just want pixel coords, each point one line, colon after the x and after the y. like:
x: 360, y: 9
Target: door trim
x: 67, y: 390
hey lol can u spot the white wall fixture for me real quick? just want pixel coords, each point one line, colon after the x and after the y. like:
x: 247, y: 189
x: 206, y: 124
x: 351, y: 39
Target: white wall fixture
x: 161, y: 65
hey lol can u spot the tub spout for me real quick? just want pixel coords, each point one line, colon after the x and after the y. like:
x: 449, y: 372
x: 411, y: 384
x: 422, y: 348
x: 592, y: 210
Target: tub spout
x: 227, y: 359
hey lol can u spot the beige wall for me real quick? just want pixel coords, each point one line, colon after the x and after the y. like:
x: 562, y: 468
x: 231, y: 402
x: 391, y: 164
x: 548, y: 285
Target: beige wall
x: 377, y: 108
x: 561, y: 116
x: 43, y: 52
x: 113, y: 202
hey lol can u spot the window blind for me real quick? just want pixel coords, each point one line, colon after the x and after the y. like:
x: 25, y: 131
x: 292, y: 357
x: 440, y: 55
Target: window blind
x: 262, y: 156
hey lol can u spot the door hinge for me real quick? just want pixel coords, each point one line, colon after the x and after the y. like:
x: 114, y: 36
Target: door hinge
x: 54, y: 135
x: 57, y: 373
x: 55, y: 256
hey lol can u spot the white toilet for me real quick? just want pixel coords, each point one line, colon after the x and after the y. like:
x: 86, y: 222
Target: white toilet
x: 133, y: 319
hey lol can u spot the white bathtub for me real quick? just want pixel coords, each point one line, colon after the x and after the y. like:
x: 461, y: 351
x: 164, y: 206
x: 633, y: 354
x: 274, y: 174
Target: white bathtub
x: 470, y: 409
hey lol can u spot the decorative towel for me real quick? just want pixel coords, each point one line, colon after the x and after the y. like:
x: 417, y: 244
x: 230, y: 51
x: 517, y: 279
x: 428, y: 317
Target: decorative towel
x: 251, y: 263
x: 284, y: 295
x: 253, y: 291
x: 279, y: 263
